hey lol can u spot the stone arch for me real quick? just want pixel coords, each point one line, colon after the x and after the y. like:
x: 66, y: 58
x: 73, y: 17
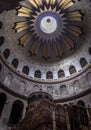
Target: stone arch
x: 89, y: 77
x: 50, y: 90
x: 89, y: 50
x: 1, y: 40
x: 8, y: 79
x: 16, y: 112
x: 61, y: 74
x: 3, y: 99
x: 63, y: 90
x: 72, y: 69
x: 76, y: 86
x: 49, y: 75
x: 81, y: 103
x: 37, y: 74
x: 25, y: 70
x: 14, y: 63
x: 6, y: 53
x: 83, y: 62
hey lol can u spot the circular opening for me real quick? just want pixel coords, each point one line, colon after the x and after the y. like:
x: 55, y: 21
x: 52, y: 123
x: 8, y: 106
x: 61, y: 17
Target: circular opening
x: 48, y: 20
x: 48, y: 24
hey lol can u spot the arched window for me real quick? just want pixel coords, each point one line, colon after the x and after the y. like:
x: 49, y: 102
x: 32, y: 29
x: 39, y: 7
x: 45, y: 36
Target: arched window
x: 0, y: 67
x: 1, y: 40
x: 37, y: 74
x: 1, y: 25
x: 6, y: 53
x: 72, y: 69
x: 81, y: 103
x: 61, y: 74
x: 25, y: 70
x: 16, y: 112
x: 3, y: 99
x: 83, y: 62
x: 15, y: 63
x: 63, y: 88
x: 49, y: 75
x: 90, y: 50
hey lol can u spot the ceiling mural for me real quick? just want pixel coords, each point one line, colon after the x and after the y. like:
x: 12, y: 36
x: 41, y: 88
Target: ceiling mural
x: 49, y: 27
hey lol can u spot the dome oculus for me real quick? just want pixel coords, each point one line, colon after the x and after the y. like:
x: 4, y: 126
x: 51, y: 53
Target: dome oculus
x: 49, y: 25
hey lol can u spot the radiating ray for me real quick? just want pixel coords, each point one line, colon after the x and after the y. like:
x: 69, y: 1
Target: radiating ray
x: 33, y: 47
x: 47, y: 1
x: 59, y: 49
x: 23, y: 14
x: 68, y: 42
x: 74, y: 14
x: 33, y: 3
x: 25, y: 10
x: 38, y: 2
x: 25, y: 38
x: 75, y: 30
x: 46, y: 50
x: 68, y: 5
x: 68, y: 24
x: 75, y: 19
x: 37, y: 48
x: 21, y: 26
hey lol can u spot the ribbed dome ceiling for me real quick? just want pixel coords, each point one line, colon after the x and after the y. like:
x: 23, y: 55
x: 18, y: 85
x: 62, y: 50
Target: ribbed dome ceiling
x: 50, y: 28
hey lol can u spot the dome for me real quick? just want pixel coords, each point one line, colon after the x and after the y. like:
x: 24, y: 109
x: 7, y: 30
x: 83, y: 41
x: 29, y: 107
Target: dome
x: 45, y: 47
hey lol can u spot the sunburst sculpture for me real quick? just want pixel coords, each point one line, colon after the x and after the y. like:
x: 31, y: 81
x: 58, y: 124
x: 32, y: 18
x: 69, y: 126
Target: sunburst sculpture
x: 49, y: 25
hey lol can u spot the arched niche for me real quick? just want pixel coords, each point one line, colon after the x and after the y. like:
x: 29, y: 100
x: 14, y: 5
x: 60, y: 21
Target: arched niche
x: 1, y: 40
x: 37, y: 74
x: 61, y: 74
x: 25, y: 70
x: 16, y: 112
x: 83, y: 62
x: 49, y: 75
x: 0, y: 67
x: 3, y: 99
x: 72, y: 69
x: 6, y: 53
x: 14, y: 63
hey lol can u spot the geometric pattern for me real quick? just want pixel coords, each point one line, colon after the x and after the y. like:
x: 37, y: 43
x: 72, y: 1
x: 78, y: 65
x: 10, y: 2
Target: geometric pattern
x: 48, y: 26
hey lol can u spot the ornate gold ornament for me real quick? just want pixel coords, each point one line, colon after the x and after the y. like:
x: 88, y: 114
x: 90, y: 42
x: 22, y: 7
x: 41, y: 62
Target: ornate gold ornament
x: 49, y: 25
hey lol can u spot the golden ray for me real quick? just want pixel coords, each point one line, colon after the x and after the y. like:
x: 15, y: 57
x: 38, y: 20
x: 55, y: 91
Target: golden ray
x: 52, y: 1
x: 75, y: 19
x: 45, y: 51
x: 55, y: 48
x: 66, y: 4
x: 69, y: 43
x: 23, y: 14
x: 75, y: 29
x: 25, y: 10
x: 74, y: 14
x: 38, y: 2
x: 37, y: 48
x: 25, y: 38
x: 21, y: 26
x: 33, y: 47
x: 33, y: 3
x: 59, y: 49
x: 47, y: 1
